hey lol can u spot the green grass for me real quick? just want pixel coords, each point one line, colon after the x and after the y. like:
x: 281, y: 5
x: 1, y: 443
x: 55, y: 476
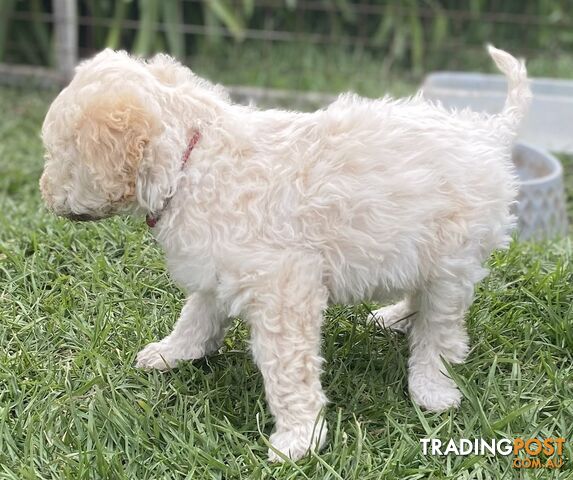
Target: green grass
x: 334, y: 70
x: 302, y: 67
x: 78, y: 301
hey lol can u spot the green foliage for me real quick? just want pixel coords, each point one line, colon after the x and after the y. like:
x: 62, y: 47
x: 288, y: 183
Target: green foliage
x: 6, y: 8
x: 301, y: 67
x: 32, y: 38
x: 172, y: 13
x: 114, y: 35
x: 410, y: 34
x: 148, y: 17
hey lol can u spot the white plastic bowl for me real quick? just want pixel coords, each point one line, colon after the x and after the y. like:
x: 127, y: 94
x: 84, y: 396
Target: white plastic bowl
x: 541, y: 208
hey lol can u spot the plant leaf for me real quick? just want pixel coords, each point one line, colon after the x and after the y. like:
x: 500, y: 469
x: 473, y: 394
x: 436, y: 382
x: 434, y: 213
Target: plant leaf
x: 147, y: 22
x: 232, y: 22
x: 172, y: 17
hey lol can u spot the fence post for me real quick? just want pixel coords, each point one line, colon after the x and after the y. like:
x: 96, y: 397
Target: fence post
x: 66, y: 31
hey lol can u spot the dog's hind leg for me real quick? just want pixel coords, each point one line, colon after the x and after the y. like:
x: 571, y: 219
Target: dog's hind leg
x: 439, y: 333
x: 198, y: 332
x: 285, y: 318
x: 396, y: 317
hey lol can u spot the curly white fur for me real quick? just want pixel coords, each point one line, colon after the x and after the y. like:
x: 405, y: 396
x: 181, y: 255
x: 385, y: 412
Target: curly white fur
x: 277, y: 213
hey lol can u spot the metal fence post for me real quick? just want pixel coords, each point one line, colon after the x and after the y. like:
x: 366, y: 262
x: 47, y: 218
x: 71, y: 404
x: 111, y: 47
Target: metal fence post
x: 66, y: 31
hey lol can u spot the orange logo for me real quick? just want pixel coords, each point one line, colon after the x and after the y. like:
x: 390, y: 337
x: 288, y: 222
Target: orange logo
x: 538, y: 453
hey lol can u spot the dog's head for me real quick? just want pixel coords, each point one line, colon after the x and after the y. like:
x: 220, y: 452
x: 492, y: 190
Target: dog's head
x: 112, y: 135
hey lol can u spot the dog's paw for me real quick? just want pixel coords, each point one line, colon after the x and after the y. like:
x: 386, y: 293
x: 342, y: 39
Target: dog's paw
x: 298, y: 442
x: 156, y: 355
x: 392, y: 317
x: 435, y: 392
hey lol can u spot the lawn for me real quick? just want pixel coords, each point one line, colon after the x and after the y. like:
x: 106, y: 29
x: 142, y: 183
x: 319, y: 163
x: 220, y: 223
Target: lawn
x: 77, y: 302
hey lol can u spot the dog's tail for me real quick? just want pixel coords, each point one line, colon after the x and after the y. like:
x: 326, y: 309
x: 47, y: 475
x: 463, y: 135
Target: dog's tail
x: 518, y: 92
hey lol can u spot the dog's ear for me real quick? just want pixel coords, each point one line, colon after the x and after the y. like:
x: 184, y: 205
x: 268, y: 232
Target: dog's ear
x: 114, y: 137
x: 168, y: 70
x: 106, y: 54
x: 102, y: 59
x: 154, y: 180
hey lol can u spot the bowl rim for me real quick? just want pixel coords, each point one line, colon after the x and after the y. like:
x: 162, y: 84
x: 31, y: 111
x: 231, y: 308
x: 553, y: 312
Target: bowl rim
x: 555, y: 164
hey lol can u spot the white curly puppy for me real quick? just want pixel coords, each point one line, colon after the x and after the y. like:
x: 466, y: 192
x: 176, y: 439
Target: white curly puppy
x: 273, y: 214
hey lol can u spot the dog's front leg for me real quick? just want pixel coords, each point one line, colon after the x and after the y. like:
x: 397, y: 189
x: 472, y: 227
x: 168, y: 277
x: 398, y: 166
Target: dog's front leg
x: 285, y: 319
x: 198, y: 332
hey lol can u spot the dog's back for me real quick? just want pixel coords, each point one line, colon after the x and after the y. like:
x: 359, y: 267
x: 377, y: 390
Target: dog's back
x: 384, y: 189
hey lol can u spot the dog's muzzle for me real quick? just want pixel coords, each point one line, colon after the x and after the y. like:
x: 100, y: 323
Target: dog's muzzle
x: 81, y: 217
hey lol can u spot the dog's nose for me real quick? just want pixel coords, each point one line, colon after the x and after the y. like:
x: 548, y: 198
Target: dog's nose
x: 80, y: 217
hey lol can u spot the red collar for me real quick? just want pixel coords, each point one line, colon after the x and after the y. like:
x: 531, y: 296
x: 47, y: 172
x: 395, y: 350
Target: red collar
x: 151, y: 219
